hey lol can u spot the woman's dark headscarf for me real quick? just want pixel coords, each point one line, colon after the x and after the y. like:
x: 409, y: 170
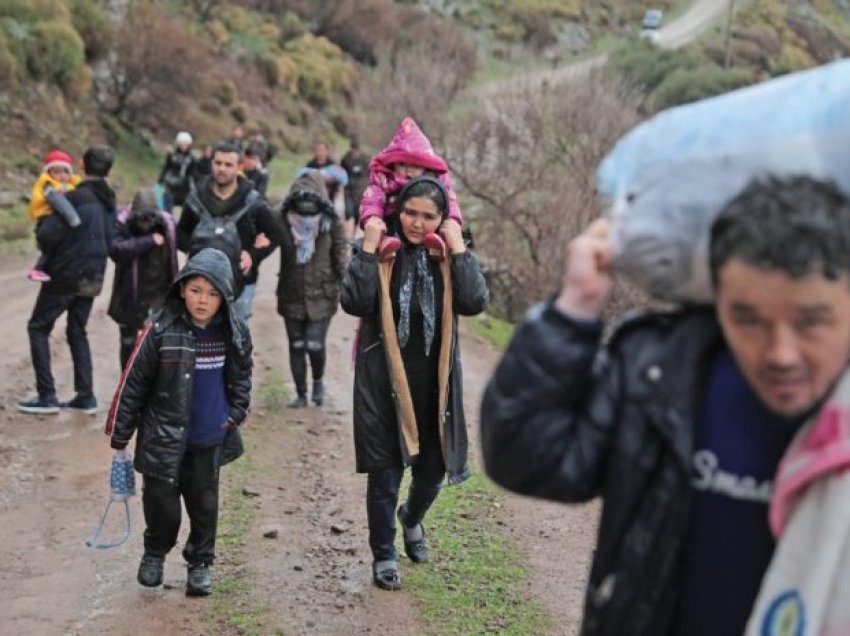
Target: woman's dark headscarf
x: 415, y: 272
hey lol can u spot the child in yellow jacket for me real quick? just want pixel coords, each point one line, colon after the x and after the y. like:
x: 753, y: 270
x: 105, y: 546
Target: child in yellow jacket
x: 57, y: 178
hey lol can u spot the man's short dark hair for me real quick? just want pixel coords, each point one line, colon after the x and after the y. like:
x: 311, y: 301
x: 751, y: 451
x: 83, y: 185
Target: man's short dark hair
x: 98, y: 160
x: 798, y: 225
x: 227, y: 147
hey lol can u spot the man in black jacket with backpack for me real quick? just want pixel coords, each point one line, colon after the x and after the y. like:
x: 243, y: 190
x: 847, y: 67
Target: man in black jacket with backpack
x: 225, y: 211
x: 78, y: 262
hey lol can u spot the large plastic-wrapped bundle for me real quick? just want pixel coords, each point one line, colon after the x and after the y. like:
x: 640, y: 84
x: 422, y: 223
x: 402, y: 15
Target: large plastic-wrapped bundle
x: 670, y: 176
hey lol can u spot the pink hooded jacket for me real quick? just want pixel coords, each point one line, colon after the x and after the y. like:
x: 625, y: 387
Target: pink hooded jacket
x: 408, y: 145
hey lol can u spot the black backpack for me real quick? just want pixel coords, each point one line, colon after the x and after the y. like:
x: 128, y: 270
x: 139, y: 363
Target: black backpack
x: 219, y: 232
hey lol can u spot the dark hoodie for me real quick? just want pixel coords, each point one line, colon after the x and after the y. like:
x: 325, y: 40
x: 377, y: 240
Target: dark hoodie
x: 78, y: 256
x: 257, y: 220
x: 155, y: 393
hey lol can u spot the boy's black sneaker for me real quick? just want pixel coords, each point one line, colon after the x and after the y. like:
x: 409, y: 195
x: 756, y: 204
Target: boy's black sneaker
x: 39, y: 405
x: 87, y: 405
x: 199, y: 580
x: 150, y: 571
x: 318, y: 396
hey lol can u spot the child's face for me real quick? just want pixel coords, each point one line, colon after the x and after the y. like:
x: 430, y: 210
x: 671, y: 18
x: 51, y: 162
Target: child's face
x: 408, y: 171
x: 60, y: 174
x: 202, y: 300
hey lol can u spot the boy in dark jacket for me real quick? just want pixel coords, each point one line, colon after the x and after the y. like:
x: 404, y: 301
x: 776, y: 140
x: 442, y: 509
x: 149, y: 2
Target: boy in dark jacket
x: 186, y: 389
x: 144, y: 249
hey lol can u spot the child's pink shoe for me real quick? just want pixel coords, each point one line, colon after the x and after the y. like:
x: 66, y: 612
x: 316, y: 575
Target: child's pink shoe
x: 388, y: 248
x: 436, y: 247
x: 38, y: 275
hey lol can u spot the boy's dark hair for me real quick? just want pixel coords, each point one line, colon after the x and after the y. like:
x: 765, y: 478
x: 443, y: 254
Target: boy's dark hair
x: 794, y: 224
x: 98, y: 160
x: 427, y: 188
x: 227, y: 147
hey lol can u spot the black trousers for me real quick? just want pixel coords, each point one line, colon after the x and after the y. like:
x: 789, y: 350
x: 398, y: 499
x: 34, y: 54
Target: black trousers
x: 48, y: 307
x: 306, y: 338
x: 198, y: 486
x: 382, y: 497
x: 127, y: 335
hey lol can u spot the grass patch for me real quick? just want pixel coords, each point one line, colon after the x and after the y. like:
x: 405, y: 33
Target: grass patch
x: 231, y: 608
x: 272, y: 394
x: 474, y: 584
x: 15, y: 224
x: 494, y: 330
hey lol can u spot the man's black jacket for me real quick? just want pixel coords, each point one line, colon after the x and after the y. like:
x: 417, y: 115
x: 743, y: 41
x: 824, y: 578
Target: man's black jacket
x: 568, y: 420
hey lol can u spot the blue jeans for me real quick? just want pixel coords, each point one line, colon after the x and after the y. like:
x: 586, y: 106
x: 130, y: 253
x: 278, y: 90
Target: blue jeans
x: 48, y: 307
x: 245, y: 301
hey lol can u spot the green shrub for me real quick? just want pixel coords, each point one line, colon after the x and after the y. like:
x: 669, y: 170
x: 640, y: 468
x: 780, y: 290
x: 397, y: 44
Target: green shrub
x: 689, y: 85
x: 93, y: 27
x: 55, y: 52
x: 645, y: 66
x: 290, y: 28
x: 31, y: 11
x: 10, y: 66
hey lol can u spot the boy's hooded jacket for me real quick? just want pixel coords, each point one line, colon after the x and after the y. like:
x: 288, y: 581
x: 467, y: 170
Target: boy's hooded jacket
x: 154, y: 395
x: 408, y: 145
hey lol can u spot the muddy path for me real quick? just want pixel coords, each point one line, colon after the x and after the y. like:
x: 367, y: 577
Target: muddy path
x: 314, y: 576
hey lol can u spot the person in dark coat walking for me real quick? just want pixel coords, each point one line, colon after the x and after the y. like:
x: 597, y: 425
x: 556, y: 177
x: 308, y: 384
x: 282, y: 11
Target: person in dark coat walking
x: 78, y: 263
x: 408, y: 389
x: 178, y: 171
x: 144, y: 249
x: 184, y: 393
x: 313, y: 259
x: 678, y: 420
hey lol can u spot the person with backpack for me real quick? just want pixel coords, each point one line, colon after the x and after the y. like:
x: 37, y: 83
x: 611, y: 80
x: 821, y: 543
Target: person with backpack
x: 177, y: 171
x: 226, y: 212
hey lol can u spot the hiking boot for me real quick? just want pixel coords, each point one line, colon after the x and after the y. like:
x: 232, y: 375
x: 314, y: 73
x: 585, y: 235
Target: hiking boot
x: 298, y: 403
x: 436, y: 246
x: 199, y: 580
x: 39, y: 405
x: 38, y: 276
x: 318, y: 392
x: 414, y: 539
x: 386, y: 576
x: 87, y: 405
x: 150, y: 571
x: 388, y: 248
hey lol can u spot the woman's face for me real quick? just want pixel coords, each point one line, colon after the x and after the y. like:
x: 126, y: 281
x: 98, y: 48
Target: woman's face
x: 419, y: 216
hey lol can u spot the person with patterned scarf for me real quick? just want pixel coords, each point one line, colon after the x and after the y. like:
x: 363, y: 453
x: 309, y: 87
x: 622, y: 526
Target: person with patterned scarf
x: 408, y: 390
x: 313, y: 258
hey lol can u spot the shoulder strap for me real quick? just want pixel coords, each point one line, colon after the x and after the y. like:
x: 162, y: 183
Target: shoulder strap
x: 194, y: 201
x: 250, y: 200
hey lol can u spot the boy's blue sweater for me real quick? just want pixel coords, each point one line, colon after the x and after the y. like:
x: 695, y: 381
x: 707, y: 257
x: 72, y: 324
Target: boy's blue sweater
x: 210, y: 408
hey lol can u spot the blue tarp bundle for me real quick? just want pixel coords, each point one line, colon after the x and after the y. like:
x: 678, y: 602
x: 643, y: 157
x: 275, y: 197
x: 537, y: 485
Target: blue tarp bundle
x: 670, y: 176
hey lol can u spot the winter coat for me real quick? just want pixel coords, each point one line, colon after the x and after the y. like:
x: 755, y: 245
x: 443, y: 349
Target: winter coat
x: 258, y: 220
x: 154, y: 394
x: 177, y: 173
x: 78, y: 256
x: 332, y: 173
x: 310, y: 291
x: 385, y: 428
x: 566, y: 420
x: 260, y: 178
x: 408, y: 145
x: 143, y: 271
x: 356, y: 166
x: 39, y: 206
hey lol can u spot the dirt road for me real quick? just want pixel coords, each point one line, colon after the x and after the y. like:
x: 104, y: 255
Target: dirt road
x: 315, y: 580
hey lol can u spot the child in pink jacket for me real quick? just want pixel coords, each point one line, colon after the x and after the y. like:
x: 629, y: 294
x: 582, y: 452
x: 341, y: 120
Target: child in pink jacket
x: 407, y: 156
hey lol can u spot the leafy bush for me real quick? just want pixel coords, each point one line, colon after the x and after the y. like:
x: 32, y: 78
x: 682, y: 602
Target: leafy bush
x: 93, y: 27
x: 290, y: 28
x: 31, y: 11
x: 10, y: 67
x: 645, y: 66
x: 55, y: 52
x: 323, y: 71
x: 689, y: 85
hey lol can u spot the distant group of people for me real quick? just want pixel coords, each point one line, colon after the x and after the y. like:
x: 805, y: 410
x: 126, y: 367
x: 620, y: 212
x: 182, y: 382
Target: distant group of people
x: 185, y: 341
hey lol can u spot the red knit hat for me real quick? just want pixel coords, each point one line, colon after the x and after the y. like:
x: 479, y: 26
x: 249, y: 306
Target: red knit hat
x: 410, y: 145
x: 57, y: 159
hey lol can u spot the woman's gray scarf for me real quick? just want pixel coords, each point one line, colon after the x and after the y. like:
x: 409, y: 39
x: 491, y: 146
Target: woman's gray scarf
x: 416, y: 274
x: 305, y: 229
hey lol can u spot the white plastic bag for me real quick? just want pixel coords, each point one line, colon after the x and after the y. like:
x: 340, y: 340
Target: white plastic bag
x: 670, y: 176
